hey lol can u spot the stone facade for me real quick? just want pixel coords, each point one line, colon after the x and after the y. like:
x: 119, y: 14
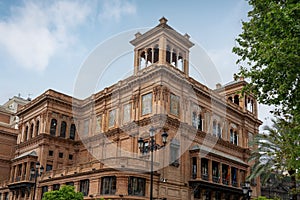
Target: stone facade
x: 93, y: 143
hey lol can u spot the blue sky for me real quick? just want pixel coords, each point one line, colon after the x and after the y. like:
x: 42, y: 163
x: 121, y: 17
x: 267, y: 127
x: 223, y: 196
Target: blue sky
x: 44, y: 43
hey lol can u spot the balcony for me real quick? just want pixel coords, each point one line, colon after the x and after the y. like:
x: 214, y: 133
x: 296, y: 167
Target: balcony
x: 225, y: 181
x: 234, y: 183
x: 204, y: 177
x: 216, y: 179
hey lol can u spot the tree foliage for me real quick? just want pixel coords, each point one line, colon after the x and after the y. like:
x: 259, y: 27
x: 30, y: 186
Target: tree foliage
x: 269, y: 44
x: 277, y: 152
x: 64, y: 193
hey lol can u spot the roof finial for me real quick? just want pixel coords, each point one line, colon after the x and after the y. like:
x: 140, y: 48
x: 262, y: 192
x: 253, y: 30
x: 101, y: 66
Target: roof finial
x: 163, y: 20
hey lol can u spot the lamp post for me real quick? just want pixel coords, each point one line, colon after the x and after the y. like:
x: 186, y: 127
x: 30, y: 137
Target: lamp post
x: 247, y: 190
x: 37, y: 171
x: 153, y: 147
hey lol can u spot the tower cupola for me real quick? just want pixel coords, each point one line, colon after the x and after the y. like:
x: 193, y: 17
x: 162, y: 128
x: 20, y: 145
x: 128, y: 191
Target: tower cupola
x: 161, y: 45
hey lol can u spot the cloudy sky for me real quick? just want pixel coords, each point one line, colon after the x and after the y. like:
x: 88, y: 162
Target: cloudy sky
x: 44, y: 43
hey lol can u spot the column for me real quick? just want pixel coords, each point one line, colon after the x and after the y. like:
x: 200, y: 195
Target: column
x: 238, y: 178
x: 122, y: 186
x: 94, y: 186
x: 229, y: 172
x: 136, y: 61
x: 210, y: 170
x: 146, y: 57
x: 152, y: 58
x: 171, y: 55
x: 162, y: 50
x: 198, y: 167
x: 16, y: 172
x: 27, y: 171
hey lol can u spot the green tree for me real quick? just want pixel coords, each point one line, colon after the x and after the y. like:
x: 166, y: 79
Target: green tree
x: 269, y: 44
x: 66, y: 192
x: 269, y: 47
x: 272, y: 155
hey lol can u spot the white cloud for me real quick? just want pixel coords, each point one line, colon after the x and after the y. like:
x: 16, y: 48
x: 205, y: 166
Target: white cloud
x: 35, y: 31
x: 114, y: 9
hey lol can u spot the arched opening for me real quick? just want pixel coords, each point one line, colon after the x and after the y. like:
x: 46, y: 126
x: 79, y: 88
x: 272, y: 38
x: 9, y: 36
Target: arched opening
x: 230, y: 99
x: 180, y: 62
x: 200, y: 123
x: 63, y: 128
x: 31, y: 130
x: 156, y: 54
x: 37, y: 127
x: 168, y: 54
x: 194, y: 119
x: 236, y: 100
x: 26, y: 133
x: 214, y: 128
x: 53, y: 127
x: 143, y: 60
x: 72, y: 131
x: 219, y: 131
x: 149, y: 57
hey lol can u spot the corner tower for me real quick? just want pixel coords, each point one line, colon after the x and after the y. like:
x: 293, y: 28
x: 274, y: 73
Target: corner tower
x: 161, y: 45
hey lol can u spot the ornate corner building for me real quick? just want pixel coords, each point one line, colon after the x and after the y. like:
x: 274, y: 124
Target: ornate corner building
x: 92, y: 144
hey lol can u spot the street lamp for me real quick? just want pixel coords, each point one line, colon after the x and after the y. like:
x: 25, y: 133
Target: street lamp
x: 153, y: 147
x: 37, y: 171
x: 247, y: 190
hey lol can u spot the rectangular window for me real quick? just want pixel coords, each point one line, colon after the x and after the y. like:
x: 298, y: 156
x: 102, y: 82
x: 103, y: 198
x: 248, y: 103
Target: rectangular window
x: 84, y: 187
x: 174, y: 153
x: 194, y: 167
x: 112, y: 119
x: 6, y: 196
x: 70, y: 183
x: 108, y: 185
x: 174, y: 104
x: 70, y: 157
x: 50, y: 153
x: 56, y: 186
x: 99, y: 124
x: 44, y: 190
x: 204, y: 168
x: 126, y: 113
x: 86, y: 127
x: 48, y: 167
x: 136, y: 186
x: 60, y: 155
x: 147, y: 104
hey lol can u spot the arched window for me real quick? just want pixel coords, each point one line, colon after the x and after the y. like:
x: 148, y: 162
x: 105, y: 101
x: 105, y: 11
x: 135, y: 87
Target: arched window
x: 236, y: 100
x: 219, y: 132
x: 168, y: 54
x: 72, y: 131
x: 231, y: 136
x: 63, y: 128
x: 194, y: 119
x: 214, y: 128
x: 26, y: 133
x: 37, y: 127
x: 156, y: 53
x: 31, y: 130
x: 200, y: 123
x: 230, y: 99
x: 53, y: 127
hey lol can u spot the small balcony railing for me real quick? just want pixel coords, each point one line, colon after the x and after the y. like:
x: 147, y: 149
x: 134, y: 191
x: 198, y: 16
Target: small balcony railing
x: 234, y: 183
x: 216, y: 179
x: 204, y: 177
x: 225, y: 181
